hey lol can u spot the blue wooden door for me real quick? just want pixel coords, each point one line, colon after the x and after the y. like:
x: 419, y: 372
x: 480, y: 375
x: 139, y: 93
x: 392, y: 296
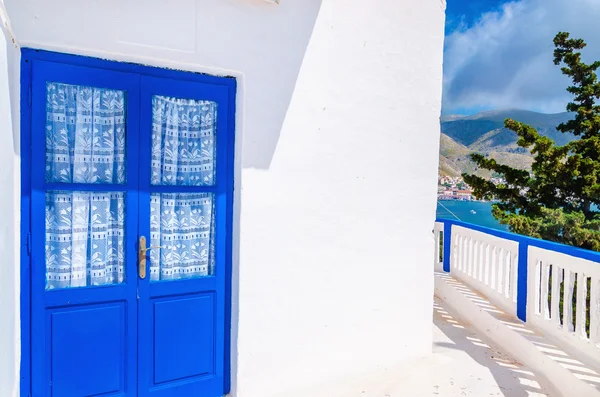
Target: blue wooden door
x: 130, y: 196
x: 84, y: 221
x: 183, y: 202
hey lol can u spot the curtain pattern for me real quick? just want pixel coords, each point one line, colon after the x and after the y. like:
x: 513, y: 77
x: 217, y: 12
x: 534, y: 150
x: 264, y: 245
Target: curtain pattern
x: 85, y: 143
x: 84, y: 238
x: 85, y: 134
x: 182, y: 224
x: 183, y: 141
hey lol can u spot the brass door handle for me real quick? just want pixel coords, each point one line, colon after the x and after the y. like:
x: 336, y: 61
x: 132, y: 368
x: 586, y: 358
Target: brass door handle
x: 142, y: 249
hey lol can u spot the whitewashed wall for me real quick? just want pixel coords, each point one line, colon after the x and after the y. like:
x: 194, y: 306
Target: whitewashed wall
x: 10, y: 348
x: 337, y: 154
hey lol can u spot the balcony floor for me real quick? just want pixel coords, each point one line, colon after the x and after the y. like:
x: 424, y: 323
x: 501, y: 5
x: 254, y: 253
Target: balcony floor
x: 465, y: 364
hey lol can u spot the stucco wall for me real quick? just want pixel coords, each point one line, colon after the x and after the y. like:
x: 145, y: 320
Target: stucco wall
x: 336, y: 165
x: 9, y: 211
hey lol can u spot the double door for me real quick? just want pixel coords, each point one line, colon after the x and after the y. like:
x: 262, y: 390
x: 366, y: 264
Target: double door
x: 129, y: 197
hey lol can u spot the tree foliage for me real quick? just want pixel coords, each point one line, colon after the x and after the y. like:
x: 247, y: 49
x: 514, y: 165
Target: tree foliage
x: 558, y: 200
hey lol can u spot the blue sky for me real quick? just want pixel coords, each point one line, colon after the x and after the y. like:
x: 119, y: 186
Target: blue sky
x: 467, y: 12
x: 498, y: 53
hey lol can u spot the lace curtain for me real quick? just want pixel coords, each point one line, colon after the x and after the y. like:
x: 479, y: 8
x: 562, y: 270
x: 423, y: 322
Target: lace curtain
x: 85, y: 134
x: 183, y: 141
x: 84, y: 238
x: 183, y: 154
x: 182, y: 224
x: 85, y: 143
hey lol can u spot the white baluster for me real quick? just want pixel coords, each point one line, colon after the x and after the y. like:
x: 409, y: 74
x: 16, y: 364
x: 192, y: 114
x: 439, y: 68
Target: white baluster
x: 436, y: 246
x: 459, y: 255
x: 514, y: 262
x: 507, y: 274
x: 470, y: 256
x: 494, y: 268
x: 580, y: 330
x: 481, y: 261
x: 487, y: 263
x: 544, y: 295
x: 453, y: 251
x: 569, y: 283
x: 475, y: 259
x: 595, y: 310
x: 538, y: 286
x: 555, y: 299
x: 501, y: 267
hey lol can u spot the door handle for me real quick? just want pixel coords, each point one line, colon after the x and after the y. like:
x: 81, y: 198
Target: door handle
x: 142, y: 258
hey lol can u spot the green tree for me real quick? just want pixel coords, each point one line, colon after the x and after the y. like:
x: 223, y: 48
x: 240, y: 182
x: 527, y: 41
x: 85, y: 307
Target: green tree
x: 558, y: 199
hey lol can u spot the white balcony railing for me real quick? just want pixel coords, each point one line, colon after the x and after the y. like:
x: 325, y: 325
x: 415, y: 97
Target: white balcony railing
x: 438, y: 232
x: 554, y: 287
x: 490, y: 263
x: 563, y: 297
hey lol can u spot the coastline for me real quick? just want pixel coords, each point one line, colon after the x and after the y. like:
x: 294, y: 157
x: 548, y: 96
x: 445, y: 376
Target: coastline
x: 470, y: 211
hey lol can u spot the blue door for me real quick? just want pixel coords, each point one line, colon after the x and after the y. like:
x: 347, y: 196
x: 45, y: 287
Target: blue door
x: 130, y: 194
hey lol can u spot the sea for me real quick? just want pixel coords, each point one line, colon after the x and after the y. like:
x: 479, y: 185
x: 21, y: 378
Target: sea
x: 463, y: 210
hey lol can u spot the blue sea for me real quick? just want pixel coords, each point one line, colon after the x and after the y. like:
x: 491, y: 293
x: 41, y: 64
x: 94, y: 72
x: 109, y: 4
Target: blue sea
x: 453, y: 209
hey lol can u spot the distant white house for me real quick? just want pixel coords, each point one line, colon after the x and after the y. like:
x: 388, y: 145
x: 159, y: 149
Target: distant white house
x: 210, y: 197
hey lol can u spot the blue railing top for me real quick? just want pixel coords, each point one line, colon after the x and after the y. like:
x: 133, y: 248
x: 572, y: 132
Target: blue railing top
x: 535, y: 242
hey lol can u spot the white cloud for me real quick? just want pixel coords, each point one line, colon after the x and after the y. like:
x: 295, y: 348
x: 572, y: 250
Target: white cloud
x: 506, y: 59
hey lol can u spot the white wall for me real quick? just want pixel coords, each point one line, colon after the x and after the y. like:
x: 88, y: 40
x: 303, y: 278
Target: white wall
x: 337, y: 155
x: 9, y: 211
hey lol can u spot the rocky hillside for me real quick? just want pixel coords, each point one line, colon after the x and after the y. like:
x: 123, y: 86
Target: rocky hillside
x: 485, y: 133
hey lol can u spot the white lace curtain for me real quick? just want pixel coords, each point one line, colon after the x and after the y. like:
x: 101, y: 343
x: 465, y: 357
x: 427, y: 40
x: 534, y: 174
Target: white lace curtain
x: 182, y: 224
x: 183, y: 154
x: 85, y: 143
x: 183, y: 141
x: 84, y: 238
x: 85, y: 134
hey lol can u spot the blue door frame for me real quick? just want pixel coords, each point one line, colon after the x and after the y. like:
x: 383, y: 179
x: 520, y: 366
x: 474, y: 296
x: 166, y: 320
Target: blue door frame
x: 31, y: 57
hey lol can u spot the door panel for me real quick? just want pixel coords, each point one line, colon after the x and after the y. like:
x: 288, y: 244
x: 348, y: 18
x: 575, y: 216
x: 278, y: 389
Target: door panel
x: 183, y: 328
x: 88, y: 360
x: 182, y: 209
x: 84, y: 209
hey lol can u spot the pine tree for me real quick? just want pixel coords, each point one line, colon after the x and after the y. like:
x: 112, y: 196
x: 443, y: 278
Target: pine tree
x: 558, y: 200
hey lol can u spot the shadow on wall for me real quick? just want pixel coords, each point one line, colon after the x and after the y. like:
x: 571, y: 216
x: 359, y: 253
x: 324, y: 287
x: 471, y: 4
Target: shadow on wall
x: 265, y: 109
x: 12, y: 53
x: 264, y: 41
x: 264, y: 113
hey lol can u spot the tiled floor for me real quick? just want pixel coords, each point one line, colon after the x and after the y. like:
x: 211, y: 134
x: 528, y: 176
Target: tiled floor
x: 467, y: 365
x: 463, y: 364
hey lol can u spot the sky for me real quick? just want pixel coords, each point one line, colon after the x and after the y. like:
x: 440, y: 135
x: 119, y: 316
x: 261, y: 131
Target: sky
x: 498, y: 54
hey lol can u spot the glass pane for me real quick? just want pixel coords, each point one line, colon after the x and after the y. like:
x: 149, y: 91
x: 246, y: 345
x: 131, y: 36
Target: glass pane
x: 183, y: 141
x: 84, y: 239
x: 182, y: 224
x: 85, y: 134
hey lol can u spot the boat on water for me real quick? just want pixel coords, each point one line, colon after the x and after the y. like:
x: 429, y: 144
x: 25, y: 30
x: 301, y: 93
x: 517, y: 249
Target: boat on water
x: 473, y: 212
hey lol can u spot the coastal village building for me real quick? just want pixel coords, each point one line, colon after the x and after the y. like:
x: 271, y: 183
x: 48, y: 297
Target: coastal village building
x: 463, y: 193
x: 209, y: 197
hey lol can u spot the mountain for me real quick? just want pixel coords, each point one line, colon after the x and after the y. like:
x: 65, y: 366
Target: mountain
x: 485, y: 133
x: 468, y: 129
